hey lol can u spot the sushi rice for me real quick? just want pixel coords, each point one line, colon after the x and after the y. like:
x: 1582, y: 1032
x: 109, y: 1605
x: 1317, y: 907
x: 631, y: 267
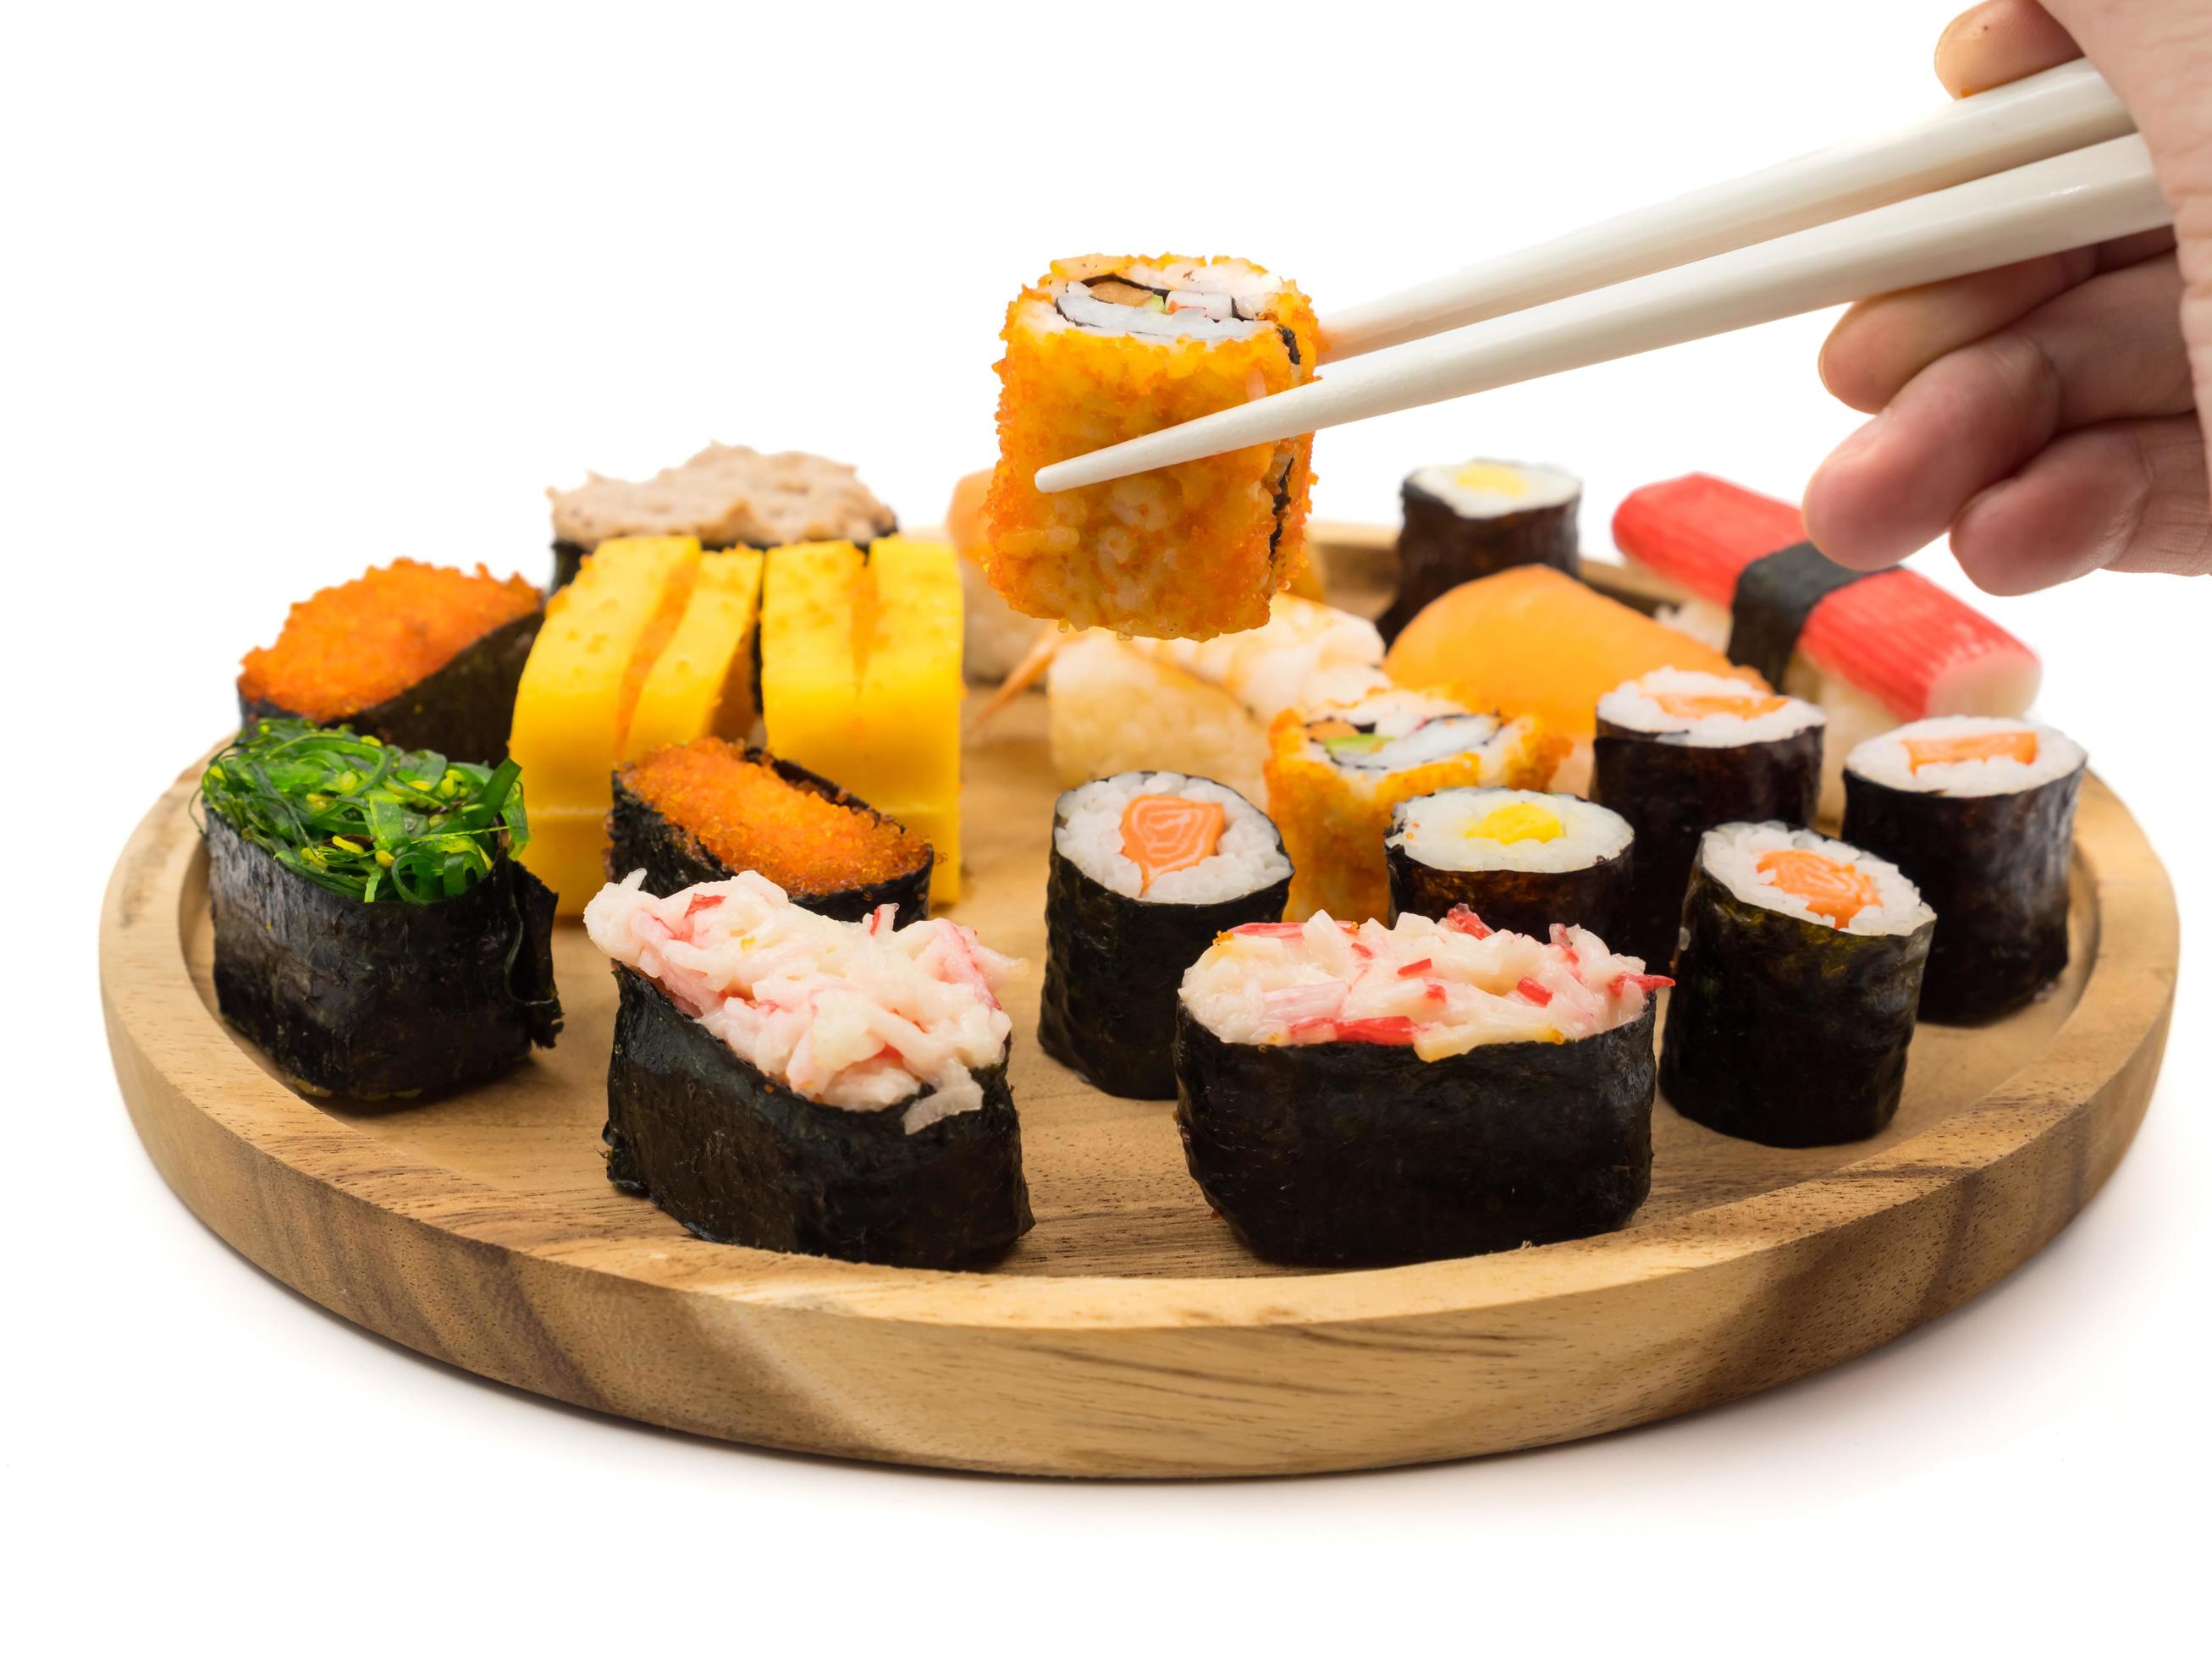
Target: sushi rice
x: 1249, y: 855
x: 1734, y: 855
x: 1508, y: 829
x: 1909, y: 758
x: 1441, y: 986
x: 1690, y: 707
x: 861, y: 1016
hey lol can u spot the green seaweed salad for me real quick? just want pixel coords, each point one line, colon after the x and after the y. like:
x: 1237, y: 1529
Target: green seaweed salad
x: 362, y: 818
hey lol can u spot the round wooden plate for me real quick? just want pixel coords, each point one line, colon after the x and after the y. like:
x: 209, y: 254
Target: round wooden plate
x: 1128, y: 1335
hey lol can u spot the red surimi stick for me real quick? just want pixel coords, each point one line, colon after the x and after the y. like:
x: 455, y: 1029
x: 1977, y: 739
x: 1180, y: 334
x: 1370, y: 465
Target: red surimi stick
x: 1909, y: 644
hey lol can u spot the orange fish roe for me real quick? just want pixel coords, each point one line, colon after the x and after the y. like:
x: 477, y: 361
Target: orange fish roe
x: 1837, y: 891
x: 1691, y: 706
x: 751, y: 817
x: 1161, y: 833
x: 1970, y: 746
x: 356, y: 645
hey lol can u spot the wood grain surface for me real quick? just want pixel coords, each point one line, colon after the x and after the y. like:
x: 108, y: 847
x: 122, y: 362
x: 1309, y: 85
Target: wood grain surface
x: 1128, y: 1335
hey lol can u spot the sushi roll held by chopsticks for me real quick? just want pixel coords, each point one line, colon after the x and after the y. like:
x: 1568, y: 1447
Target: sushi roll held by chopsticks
x: 793, y: 1082
x: 1147, y: 868
x: 375, y: 934
x: 1796, y: 988
x: 1105, y: 348
x: 1519, y: 858
x: 1678, y: 751
x: 1363, y: 1096
x: 1979, y: 813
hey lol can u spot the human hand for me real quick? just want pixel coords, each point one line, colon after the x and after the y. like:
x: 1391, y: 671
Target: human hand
x: 2046, y: 414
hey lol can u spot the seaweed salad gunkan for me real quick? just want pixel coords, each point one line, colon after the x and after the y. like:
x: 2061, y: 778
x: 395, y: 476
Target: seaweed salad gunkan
x: 1359, y: 1096
x: 373, y: 934
x: 792, y: 1082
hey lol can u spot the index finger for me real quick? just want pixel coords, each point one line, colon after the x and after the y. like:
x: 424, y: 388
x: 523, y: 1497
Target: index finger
x: 1997, y: 41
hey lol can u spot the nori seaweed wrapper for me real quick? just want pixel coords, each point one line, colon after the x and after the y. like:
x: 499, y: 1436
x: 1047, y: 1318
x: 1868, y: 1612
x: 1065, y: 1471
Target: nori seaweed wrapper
x: 740, y: 1159
x: 1113, y: 969
x: 1783, y: 1030
x: 1671, y: 793
x: 1348, y: 1154
x: 1774, y: 597
x: 1595, y: 896
x: 569, y: 556
x: 568, y: 561
x: 464, y: 710
x: 639, y: 838
x: 1439, y: 549
x: 386, y: 998
x: 1994, y: 867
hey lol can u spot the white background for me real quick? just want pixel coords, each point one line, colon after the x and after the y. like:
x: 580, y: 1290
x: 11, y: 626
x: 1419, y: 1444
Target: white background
x: 288, y: 293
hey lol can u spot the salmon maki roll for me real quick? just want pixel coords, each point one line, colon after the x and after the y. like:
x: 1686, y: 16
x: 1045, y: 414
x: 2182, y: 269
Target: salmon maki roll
x: 1146, y: 868
x: 1796, y: 988
x: 1979, y: 812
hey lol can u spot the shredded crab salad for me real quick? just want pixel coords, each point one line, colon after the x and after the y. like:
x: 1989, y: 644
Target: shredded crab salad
x: 861, y: 1015
x: 1441, y: 986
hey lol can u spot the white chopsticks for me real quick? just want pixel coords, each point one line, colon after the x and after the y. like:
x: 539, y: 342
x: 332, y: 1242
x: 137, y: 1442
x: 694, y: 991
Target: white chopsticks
x: 1668, y: 283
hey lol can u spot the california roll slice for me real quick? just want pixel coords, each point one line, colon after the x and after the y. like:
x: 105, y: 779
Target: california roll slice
x: 1979, y: 812
x: 374, y: 935
x: 1359, y: 1096
x: 1104, y: 348
x: 1519, y: 858
x: 1147, y: 869
x: 792, y: 1082
x: 1679, y: 751
x: 709, y: 810
x: 1794, y: 988
x: 1334, y: 774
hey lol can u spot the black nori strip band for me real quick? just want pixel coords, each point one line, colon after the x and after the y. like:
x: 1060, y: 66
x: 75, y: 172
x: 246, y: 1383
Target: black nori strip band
x: 1994, y: 869
x: 1112, y: 966
x: 382, y: 999
x: 740, y: 1159
x: 1439, y: 548
x: 1594, y: 895
x: 639, y: 838
x: 1786, y: 1031
x: 1774, y: 596
x: 569, y: 556
x: 1348, y: 1154
x: 463, y: 710
x: 1671, y: 792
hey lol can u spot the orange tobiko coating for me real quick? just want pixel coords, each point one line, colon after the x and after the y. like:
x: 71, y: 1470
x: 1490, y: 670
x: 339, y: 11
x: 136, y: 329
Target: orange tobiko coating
x: 751, y: 818
x: 352, y: 647
x: 1186, y: 551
